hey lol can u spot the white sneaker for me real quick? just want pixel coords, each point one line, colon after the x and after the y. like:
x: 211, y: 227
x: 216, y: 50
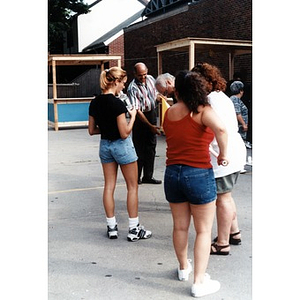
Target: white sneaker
x: 183, y: 275
x: 207, y: 287
x: 138, y: 233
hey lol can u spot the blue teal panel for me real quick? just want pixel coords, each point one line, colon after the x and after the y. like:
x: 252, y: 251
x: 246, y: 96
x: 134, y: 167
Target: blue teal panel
x: 72, y: 112
x: 50, y: 112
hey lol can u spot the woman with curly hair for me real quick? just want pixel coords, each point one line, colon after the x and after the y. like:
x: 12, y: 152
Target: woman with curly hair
x: 226, y: 177
x: 190, y: 125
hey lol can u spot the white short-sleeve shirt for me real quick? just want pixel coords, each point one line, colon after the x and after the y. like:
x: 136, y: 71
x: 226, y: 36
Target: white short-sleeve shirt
x: 236, y: 150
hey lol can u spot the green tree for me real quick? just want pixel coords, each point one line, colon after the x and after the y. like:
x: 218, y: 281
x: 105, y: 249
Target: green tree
x: 60, y: 15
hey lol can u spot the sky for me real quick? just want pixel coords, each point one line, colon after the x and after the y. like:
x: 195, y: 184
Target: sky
x: 103, y: 17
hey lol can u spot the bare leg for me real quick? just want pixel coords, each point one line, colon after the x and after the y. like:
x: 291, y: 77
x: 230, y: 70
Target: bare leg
x: 130, y: 173
x: 181, y: 214
x: 110, y: 178
x: 225, y: 215
x: 234, y: 229
x: 203, y: 216
x: 234, y: 225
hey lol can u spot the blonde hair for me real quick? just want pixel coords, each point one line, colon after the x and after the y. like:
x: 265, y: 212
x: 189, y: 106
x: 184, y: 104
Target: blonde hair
x: 109, y: 76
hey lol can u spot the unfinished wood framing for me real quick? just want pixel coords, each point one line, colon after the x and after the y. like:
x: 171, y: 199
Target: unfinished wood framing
x: 75, y: 60
x: 232, y: 47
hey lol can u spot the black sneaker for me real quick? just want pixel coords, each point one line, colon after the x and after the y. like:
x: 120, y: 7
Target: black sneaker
x: 138, y: 233
x: 112, y: 233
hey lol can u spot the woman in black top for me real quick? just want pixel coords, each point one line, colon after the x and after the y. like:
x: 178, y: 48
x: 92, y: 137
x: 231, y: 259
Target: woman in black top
x: 107, y: 116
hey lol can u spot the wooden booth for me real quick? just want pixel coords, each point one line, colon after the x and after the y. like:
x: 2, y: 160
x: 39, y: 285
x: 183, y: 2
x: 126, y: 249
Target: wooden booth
x: 66, y: 112
x: 232, y: 47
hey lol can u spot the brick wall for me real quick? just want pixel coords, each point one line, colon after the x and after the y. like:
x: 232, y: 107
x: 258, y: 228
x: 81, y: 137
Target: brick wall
x: 116, y: 47
x: 221, y: 19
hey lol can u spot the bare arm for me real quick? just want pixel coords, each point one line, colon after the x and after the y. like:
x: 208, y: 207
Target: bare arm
x: 93, y: 128
x: 241, y: 121
x: 131, y: 93
x: 124, y: 127
x: 211, y: 120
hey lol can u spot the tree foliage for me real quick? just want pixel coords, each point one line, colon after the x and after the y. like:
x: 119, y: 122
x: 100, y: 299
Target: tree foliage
x: 60, y: 15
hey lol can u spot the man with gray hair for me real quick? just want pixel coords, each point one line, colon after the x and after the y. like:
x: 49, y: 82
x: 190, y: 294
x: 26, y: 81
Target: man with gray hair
x: 165, y: 85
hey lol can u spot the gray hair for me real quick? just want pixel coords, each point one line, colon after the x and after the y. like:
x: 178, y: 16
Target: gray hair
x: 161, y: 79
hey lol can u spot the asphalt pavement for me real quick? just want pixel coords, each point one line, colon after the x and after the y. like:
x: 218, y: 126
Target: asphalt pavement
x: 85, y: 264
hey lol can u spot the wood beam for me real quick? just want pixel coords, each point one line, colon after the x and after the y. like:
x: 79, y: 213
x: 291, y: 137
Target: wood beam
x: 191, y: 55
x: 159, y: 63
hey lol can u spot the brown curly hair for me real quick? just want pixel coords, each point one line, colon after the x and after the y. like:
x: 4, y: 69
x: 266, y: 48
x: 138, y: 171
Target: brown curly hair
x: 191, y: 89
x: 212, y: 75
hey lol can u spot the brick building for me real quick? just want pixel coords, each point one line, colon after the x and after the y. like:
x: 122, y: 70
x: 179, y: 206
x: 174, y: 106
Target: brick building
x: 116, y: 47
x: 172, y: 20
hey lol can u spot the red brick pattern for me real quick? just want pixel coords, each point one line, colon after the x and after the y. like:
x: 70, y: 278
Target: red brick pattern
x: 221, y: 19
x: 117, y: 48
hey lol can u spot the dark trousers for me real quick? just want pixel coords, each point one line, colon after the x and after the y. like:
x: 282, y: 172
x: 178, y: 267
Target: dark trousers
x: 145, y: 144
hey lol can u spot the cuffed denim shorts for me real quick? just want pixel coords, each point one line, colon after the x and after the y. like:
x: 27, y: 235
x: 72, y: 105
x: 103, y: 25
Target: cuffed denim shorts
x: 121, y: 151
x: 188, y: 184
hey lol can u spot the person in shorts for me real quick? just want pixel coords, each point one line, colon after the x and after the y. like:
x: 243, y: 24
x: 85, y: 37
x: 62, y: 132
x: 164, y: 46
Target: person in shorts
x: 190, y: 125
x: 107, y: 117
x: 226, y: 177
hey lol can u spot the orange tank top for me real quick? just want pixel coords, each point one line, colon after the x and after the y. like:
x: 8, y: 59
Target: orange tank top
x: 187, y: 142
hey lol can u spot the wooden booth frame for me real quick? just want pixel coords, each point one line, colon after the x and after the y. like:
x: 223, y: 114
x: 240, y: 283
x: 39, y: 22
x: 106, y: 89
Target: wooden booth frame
x: 74, y: 60
x: 232, y: 47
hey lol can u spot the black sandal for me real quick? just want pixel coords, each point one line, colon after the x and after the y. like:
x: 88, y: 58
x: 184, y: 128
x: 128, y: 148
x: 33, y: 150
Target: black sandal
x: 232, y: 240
x: 218, y: 249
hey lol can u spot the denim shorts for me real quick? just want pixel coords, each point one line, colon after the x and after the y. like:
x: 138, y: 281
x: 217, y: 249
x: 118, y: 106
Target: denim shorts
x: 188, y: 184
x: 121, y: 151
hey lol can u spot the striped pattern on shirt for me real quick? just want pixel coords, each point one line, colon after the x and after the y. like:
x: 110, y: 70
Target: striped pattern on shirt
x: 143, y: 96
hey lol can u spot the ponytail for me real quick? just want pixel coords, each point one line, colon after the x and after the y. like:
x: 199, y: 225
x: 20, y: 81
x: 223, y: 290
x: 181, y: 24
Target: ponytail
x: 109, y: 76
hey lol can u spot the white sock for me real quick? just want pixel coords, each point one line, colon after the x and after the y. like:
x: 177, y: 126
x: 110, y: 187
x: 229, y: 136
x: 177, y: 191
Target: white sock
x: 111, y: 222
x: 133, y: 222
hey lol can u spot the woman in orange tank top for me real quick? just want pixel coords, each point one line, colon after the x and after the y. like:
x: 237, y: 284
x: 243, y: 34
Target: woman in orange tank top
x: 190, y: 125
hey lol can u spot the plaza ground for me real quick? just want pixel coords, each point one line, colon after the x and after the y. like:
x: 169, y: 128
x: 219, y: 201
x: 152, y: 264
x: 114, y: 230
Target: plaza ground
x: 85, y: 264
